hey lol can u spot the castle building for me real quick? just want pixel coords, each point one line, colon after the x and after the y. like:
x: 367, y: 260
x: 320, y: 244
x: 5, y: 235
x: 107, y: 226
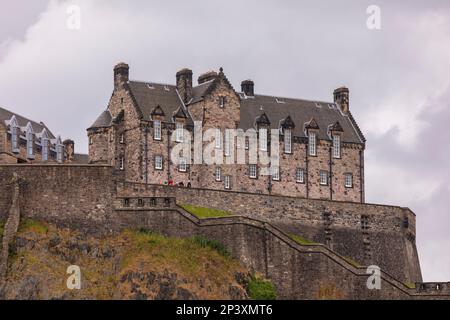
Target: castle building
x: 27, y: 141
x: 321, y: 148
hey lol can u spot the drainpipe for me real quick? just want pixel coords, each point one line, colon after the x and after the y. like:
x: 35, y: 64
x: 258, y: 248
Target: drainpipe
x: 146, y: 153
x: 331, y: 173
x: 169, y: 133
x: 307, y: 170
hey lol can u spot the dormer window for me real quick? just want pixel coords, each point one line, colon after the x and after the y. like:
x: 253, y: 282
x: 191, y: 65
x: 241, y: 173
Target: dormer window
x: 179, y: 130
x: 263, y: 139
x: 218, y: 139
x: 312, y: 143
x: 29, y: 136
x: 336, y: 146
x: 15, y: 139
x: 287, y: 141
x: 157, y: 129
x: 44, y: 143
x: 59, y: 153
x: 221, y: 101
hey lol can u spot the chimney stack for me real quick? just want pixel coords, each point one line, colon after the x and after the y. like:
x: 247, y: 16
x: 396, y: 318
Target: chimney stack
x: 121, y: 74
x: 248, y: 87
x: 184, y: 84
x: 207, y: 76
x: 69, y: 147
x: 341, y: 98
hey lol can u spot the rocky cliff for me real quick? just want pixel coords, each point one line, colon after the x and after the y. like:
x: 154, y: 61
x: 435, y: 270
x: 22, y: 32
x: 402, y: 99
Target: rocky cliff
x: 130, y: 265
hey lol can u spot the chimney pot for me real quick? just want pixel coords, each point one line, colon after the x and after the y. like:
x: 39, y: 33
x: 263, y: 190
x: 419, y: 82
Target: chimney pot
x: 341, y: 98
x: 184, y: 84
x: 248, y: 87
x: 121, y: 75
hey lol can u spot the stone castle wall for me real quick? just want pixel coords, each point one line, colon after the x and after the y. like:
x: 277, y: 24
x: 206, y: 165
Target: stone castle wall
x: 84, y: 197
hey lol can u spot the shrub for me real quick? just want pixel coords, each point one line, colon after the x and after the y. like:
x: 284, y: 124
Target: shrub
x: 261, y: 289
x: 213, y: 244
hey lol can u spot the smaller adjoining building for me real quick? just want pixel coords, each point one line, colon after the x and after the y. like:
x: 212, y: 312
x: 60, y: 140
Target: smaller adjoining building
x: 26, y: 141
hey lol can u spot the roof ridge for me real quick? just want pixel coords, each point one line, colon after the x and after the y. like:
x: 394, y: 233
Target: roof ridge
x: 40, y: 123
x: 149, y: 82
x: 290, y: 98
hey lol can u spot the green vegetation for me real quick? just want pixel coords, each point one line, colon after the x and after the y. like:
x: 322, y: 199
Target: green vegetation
x: 2, y: 227
x: 213, y: 244
x: 410, y: 285
x: 301, y: 240
x: 261, y: 289
x: 33, y: 225
x: 352, y: 262
x: 202, y: 212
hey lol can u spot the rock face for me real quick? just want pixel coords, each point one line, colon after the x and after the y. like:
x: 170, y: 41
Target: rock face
x: 131, y: 265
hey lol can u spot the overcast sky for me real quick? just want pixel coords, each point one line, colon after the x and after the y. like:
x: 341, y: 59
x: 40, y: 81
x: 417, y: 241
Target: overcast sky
x: 398, y: 76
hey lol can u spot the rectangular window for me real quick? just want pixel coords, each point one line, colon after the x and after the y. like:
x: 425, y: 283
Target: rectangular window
x: 140, y: 202
x: 218, y: 174
x: 263, y: 139
x: 336, y: 146
x: 300, y: 175
x: 253, y: 171
x: 287, y: 141
x: 29, y: 144
x: 323, y: 178
x: 121, y: 163
x: 275, y: 173
x: 179, y: 132
x: 122, y: 138
x: 183, y: 165
x: 157, y: 127
x: 158, y: 162
x: 222, y: 102
x: 227, y: 142
x: 14, y: 139
x: 218, y: 139
x: 312, y: 143
x: 247, y: 143
x: 348, y: 177
x: 227, y: 182
x: 59, y: 153
x: 44, y: 149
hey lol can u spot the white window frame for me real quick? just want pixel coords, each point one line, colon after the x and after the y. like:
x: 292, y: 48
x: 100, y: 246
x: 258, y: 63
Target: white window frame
x: 218, y: 174
x: 246, y: 143
x: 158, y: 162
x: 323, y: 176
x: 275, y: 173
x: 121, y: 163
x: 287, y: 141
x: 29, y: 136
x: 312, y: 143
x: 157, y: 129
x: 227, y: 182
x: 182, y: 167
x: 179, y: 130
x: 44, y: 144
x: 59, y: 153
x: 227, y: 143
x: 253, y: 171
x: 336, y: 146
x: 348, y: 180
x: 263, y: 139
x: 218, y: 139
x: 300, y: 175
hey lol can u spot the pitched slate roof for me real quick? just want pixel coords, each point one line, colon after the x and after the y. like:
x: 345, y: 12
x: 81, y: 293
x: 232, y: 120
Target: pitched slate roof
x: 200, y: 91
x: 150, y: 95
x: 6, y: 115
x: 103, y: 120
x: 301, y: 112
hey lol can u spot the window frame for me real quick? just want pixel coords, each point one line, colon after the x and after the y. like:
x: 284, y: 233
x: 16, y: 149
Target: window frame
x: 350, y: 176
x: 159, y: 160
x: 122, y: 163
x: 253, y: 171
x: 45, y: 148
x: 275, y: 173
x: 288, y: 141
x: 262, y: 139
x: 222, y: 102
x: 227, y: 182
x: 157, y: 130
x: 323, y: 174
x: 179, y: 132
x: 302, y: 175
x: 218, y: 139
x: 336, y: 146
x: 182, y: 166
x: 312, y: 143
x: 15, y: 138
x: 59, y: 153
x: 30, y: 147
x: 218, y: 174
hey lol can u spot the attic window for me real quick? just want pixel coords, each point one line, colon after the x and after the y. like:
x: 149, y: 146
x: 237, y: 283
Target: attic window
x: 150, y: 86
x: 166, y: 88
x: 280, y: 100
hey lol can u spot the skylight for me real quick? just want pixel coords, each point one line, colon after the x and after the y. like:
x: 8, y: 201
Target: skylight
x: 280, y: 100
